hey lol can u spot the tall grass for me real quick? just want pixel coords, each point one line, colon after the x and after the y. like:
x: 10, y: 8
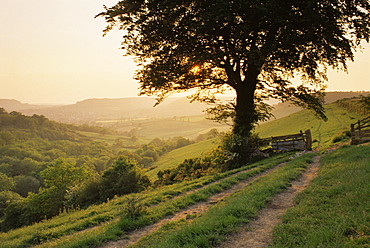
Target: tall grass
x: 334, y: 211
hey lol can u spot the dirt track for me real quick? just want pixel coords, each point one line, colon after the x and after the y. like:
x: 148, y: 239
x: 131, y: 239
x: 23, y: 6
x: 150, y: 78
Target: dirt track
x: 195, y: 209
x: 260, y: 230
x: 258, y: 233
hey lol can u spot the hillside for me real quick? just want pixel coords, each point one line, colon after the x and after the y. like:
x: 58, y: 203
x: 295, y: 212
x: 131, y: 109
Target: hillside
x: 14, y: 105
x: 113, y: 111
x: 175, y: 157
x: 323, y: 133
x: 111, y: 220
x: 206, y: 218
x: 285, y: 109
x: 133, y: 108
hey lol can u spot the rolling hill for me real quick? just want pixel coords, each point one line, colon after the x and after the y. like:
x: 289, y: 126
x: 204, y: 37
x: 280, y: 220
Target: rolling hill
x: 135, y: 108
x: 98, y: 224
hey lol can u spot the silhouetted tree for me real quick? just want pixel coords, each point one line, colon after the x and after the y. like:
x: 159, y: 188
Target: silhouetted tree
x: 254, y: 47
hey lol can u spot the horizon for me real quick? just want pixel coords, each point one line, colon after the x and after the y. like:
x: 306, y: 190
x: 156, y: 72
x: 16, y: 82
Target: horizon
x: 54, y: 53
x: 152, y: 97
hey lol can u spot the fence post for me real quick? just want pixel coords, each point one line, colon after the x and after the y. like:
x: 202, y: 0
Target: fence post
x: 308, y: 140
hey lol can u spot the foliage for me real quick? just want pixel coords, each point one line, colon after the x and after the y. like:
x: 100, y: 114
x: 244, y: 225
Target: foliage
x: 253, y: 48
x: 6, y: 183
x: 122, y: 178
x: 7, y: 197
x: 55, y: 168
x: 24, y: 184
x: 213, y: 226
x: 189, y: 169
x: 63, y: 174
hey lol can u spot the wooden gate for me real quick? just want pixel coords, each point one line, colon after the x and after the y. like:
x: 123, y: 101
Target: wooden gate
x: 300, y: 141
x: 360, y: 131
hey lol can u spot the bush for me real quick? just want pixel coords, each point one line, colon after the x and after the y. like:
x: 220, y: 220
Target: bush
x: 123, y: 178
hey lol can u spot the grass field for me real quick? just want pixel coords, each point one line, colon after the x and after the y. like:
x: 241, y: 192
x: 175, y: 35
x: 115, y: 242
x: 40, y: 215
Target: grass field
x: 106, y: 221
x: 335, y: 210
x: 111, y: 139
x: 175, y: 157
x: 225, y: 217
x: 323, y: 133
x: 164, y: 128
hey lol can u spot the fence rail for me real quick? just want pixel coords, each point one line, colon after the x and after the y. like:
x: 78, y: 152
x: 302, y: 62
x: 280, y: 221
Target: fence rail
x: 360, y: 131
x: 299, y: 141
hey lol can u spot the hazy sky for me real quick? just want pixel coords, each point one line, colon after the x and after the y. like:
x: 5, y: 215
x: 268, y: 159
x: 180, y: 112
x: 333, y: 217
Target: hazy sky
x: 52, y: 51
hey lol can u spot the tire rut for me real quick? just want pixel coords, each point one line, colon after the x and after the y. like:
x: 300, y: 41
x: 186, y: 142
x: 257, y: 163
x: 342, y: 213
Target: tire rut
x: 196, y: 209
x: 258, y: 233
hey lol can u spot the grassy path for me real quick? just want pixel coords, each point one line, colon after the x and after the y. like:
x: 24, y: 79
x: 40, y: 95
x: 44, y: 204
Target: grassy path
x: 101, y: 223
x: 228, y: 215
x: 189, y: 212
x: 259, y: 232
x: 334, y: 211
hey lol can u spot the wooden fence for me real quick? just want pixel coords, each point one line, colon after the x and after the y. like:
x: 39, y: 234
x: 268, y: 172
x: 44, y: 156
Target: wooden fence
x: 360, y: 131
x: 300, y: 141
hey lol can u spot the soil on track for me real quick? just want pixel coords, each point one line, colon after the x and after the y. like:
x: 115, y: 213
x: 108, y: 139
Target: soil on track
x: 195, y: 209
x: 259, y: 232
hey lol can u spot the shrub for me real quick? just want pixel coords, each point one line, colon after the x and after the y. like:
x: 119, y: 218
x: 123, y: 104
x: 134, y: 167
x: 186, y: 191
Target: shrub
x: 123, y: 178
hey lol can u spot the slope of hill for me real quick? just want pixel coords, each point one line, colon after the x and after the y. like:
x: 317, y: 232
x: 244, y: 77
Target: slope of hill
x: 175, y: 157
x: 95, y: 226
x: 285, y: 109
x: 110, y: 221
x: 14, y: 105
x: 323, y: 133
x: 134, y: 108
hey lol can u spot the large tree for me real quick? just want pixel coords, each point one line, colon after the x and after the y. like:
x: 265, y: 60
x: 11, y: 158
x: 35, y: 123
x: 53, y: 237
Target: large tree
x: 254, y: 47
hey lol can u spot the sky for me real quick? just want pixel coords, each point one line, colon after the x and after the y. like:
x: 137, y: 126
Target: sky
x: 53, y: 52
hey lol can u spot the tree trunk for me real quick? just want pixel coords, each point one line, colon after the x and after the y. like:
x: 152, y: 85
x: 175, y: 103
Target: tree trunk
x: 245, y: 114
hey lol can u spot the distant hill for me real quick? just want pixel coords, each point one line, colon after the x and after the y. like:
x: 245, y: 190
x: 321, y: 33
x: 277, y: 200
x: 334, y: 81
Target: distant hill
x: 285, y: 109
x: 136, y: 108
x: 132, y: 108
x: 14, y: 105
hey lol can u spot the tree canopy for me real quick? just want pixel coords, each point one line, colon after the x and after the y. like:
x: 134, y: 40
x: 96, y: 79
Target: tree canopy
x: 253, y: 47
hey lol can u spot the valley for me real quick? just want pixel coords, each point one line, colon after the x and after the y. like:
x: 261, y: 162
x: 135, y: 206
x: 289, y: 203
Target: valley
x: 199, y: 204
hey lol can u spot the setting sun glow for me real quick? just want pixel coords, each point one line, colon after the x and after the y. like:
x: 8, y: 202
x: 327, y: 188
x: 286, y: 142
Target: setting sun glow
x: 195, y: 69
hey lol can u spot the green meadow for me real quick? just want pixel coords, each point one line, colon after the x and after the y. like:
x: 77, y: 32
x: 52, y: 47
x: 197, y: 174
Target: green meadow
x: 332, y: 212
x: 175, y: 157
x: 323, y: 132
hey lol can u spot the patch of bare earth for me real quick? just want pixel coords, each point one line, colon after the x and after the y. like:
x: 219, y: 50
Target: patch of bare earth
x: 195, y: 209
x: 258, y: 233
